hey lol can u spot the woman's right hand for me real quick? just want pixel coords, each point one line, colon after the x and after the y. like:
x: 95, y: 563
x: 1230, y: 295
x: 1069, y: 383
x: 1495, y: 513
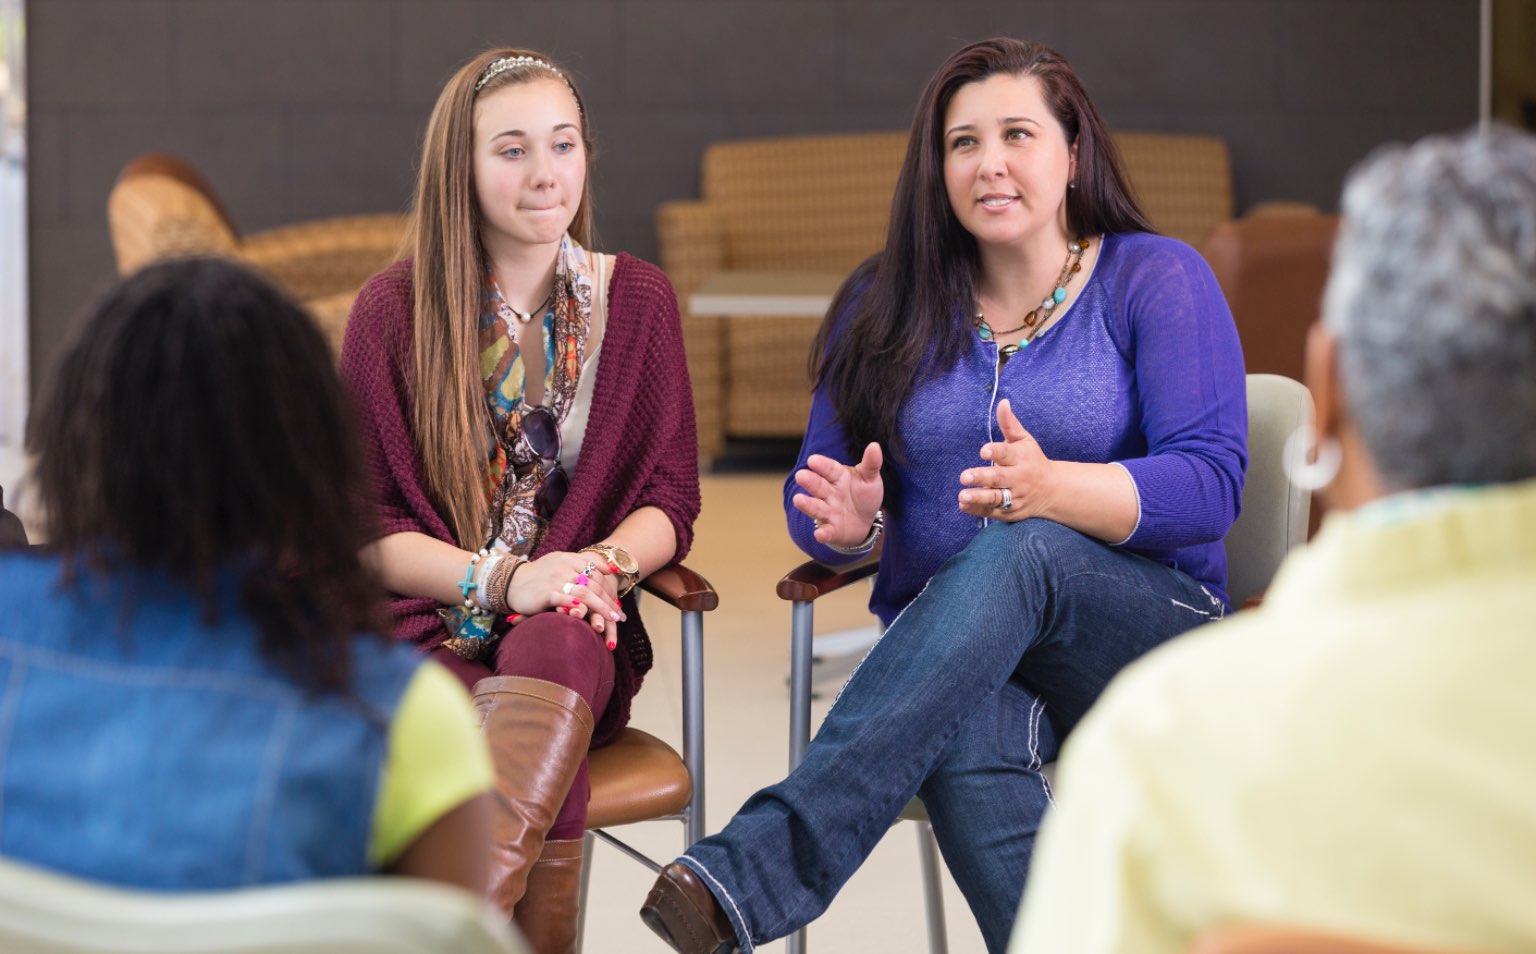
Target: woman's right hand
x: 843, y: 500
x: 540, y: 586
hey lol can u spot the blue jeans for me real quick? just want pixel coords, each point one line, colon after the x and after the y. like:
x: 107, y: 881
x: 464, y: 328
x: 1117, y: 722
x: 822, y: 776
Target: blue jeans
x: 962, y: 700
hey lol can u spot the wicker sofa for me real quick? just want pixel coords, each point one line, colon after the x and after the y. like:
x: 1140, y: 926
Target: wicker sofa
x: 161, y: 207
x: 820, y: 203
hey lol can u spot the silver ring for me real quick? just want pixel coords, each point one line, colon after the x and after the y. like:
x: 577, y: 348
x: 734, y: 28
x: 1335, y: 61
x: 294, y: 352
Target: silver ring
x: 568, y: 588
x: 1007, y: 499
x: 588, y: 570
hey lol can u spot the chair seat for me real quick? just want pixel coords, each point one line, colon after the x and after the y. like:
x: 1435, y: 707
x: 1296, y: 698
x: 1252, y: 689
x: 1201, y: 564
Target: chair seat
x: 636, y: 778
x: 914, y: 811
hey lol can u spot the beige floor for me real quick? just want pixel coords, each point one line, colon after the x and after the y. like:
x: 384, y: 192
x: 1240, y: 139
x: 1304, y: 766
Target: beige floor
x: 743, y: 549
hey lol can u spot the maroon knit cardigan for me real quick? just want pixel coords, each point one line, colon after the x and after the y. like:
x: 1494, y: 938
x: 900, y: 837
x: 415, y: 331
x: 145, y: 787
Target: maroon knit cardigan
x: 640, y: 447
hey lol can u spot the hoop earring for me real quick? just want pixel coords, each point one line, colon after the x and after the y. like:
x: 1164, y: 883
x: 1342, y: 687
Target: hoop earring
x: 1316, y: 474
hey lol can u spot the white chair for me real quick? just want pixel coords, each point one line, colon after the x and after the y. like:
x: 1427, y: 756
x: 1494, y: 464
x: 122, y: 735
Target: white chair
x: 1272, y: 521
x: 46, y: 913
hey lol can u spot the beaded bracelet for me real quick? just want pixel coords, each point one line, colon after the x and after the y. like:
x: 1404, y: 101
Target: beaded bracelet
x: 468, y: 585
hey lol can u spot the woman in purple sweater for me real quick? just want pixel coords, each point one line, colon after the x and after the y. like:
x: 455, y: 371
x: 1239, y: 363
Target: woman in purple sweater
x: 1044, y: 406
x: 526, y: 407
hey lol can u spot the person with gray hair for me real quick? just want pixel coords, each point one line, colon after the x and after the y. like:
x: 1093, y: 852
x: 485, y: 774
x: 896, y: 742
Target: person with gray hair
x: 1353, y: 757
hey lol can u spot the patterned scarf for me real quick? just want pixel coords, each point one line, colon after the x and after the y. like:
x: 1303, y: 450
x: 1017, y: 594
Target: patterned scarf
x: 516, y: 472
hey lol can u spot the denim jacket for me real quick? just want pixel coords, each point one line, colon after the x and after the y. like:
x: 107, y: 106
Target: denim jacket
x: 143, y: 747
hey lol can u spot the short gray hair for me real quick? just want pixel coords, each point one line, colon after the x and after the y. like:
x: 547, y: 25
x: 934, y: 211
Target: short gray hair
x: 1432, y: 298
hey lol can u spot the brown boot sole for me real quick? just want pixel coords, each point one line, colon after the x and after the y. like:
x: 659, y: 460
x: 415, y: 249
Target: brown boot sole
x: 675, y: 918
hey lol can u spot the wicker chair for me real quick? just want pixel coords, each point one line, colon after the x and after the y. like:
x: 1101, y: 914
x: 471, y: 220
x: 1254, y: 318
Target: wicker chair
x: 161, y: 207
x: 821, y: 203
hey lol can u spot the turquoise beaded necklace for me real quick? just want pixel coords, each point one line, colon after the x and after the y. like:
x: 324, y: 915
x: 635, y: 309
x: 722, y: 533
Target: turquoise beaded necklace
x: 1041, y: 313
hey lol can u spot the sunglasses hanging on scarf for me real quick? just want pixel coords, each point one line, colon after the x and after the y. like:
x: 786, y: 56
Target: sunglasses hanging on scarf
x: 540, y: 432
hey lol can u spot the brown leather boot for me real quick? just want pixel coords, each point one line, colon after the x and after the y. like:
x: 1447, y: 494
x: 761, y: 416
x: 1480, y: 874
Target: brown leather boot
x: 538, y: 733
x: 547, y: 913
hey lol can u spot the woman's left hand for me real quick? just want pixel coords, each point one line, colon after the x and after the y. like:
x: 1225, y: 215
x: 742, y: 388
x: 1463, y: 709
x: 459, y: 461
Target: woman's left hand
x: 1019, y: 483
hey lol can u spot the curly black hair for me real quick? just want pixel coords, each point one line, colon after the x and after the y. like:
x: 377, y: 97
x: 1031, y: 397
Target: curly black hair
x: 196, y: 426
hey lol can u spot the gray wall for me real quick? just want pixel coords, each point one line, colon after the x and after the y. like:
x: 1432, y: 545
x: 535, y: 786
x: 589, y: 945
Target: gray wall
x: 303, y: 108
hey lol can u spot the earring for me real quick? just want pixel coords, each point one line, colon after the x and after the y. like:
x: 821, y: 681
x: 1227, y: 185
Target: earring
x: 1316, y: 474
x: 1072, y: 184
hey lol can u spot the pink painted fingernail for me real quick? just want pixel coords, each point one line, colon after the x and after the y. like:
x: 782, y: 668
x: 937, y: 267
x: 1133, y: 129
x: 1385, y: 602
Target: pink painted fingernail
x: 612, y: 645
x: 560, y: 609
x: 575, y: 603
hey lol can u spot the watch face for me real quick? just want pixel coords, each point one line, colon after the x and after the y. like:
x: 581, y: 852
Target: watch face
x: 625, y: 561
x: 620, y: 558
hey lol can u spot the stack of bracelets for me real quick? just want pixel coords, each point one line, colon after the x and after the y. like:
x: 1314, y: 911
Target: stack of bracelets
x: 472, y: 622
x: 488, y: 582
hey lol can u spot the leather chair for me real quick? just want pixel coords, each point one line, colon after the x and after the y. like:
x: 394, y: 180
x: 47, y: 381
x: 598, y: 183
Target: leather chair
x: 639, y: 777
x: 1283, y: 940
x: 1272, y: 521
x: 46, y: 913
x: 1272, y: 269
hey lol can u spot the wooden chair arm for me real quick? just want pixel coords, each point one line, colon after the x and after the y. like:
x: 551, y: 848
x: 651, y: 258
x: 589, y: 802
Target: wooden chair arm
x: 810, y: 580
x: 679, y: 586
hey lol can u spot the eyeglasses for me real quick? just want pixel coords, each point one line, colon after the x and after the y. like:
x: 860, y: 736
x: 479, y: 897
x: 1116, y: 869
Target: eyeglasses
x: 540, y: 432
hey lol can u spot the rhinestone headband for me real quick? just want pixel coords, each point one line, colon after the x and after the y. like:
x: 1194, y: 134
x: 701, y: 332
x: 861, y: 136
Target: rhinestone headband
x: 500, y: 66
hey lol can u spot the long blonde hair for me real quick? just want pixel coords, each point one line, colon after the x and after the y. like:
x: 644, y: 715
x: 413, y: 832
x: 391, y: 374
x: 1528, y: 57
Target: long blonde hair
x: 444, y: 240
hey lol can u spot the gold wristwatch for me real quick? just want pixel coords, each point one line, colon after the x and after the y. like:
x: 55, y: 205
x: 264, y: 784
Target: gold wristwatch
x: 629, y: 567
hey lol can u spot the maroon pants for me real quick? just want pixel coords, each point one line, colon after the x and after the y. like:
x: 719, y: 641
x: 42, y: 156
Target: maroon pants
x: 556, y: 648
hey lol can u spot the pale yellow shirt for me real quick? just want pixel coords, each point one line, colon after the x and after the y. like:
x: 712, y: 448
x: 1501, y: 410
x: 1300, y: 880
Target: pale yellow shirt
x: 1358, y: 755
x: 436, y: 761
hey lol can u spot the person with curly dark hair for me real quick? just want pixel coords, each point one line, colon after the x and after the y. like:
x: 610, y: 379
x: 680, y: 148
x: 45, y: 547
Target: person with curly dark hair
x: 198, y: 693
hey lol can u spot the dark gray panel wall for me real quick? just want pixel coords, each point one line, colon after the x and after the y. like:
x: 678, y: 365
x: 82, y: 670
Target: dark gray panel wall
x: 303, y: 108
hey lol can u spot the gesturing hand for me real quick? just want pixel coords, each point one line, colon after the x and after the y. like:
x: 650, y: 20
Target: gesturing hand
x: 842, y: 500
x: 1020, y: 475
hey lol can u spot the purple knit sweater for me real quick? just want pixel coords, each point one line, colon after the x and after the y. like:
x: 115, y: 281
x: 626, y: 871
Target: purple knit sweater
x: 640, y: 448
x: 1145, y: 370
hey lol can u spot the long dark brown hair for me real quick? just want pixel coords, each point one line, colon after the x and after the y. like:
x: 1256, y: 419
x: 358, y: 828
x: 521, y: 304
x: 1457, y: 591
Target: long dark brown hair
x: 196, y: 427
x: 906, y: 305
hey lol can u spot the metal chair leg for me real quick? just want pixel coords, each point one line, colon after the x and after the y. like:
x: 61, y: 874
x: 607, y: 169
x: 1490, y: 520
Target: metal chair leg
x: 933, y: 889
x: 693, y: 721
x: 801, y: 626
x: 587, y: 841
